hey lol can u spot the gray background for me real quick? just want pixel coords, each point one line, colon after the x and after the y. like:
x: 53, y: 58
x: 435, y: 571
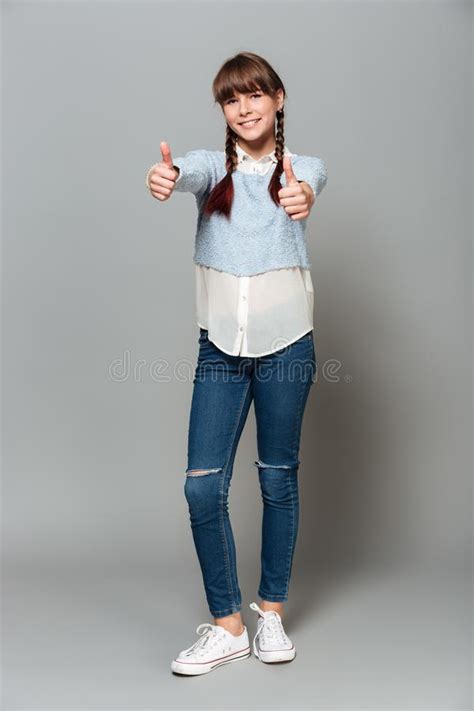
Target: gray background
x: 101, y: 581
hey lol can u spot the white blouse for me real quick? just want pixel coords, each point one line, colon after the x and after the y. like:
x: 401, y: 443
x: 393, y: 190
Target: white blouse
x: 254, y: 315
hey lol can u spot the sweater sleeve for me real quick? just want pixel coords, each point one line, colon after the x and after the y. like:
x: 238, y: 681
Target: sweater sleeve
x: 313, y: 171
x: 194, y: 172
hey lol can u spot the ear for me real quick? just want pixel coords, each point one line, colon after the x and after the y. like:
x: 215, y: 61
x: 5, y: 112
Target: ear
x: 280, y: 95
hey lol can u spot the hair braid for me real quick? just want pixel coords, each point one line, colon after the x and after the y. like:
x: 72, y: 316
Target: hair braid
x: 230, y: 151
x: 280, y: 134
x: 222, y: 196
x: 275, y: 184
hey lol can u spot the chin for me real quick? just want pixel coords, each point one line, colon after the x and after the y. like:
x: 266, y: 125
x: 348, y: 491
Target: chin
x: 250, y: 136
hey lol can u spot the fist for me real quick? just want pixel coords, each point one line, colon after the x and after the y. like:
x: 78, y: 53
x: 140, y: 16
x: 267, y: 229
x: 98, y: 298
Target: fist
x: 296, y: 198
x: 162, y: 178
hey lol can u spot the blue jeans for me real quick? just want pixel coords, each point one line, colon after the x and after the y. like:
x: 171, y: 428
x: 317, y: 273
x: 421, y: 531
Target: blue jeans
x: 224, y: 387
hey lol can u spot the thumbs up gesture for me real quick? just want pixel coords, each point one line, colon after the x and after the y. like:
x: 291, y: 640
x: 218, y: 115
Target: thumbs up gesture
x: 162, y: 176
x: 296, y: 198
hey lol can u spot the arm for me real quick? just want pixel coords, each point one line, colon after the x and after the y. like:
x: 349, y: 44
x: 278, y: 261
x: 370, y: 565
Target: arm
x: 313, y: 172
x: 194, y: 172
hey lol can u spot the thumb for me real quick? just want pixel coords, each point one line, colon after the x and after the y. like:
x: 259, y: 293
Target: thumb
x: 291, y: 178
x: 166, y: 154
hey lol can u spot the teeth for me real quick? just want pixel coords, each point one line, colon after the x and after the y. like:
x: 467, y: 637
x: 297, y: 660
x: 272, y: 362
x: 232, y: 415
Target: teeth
x: 250, y: 123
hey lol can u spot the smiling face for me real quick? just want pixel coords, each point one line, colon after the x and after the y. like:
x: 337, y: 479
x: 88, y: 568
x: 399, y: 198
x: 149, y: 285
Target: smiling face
x: 252, y: 117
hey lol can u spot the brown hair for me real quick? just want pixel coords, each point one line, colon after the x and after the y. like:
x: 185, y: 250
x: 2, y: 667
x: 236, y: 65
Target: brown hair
x: 246, y: 72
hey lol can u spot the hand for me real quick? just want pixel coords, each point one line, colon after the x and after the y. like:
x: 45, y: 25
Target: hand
x: 296, y: 198
x: 162, y: 178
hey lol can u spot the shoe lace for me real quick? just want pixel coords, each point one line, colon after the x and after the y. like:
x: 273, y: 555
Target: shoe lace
x: 210, y: 634
x: 269, y: 628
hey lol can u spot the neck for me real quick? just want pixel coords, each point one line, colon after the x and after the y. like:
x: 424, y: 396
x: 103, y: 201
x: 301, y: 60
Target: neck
x: 258, y: 148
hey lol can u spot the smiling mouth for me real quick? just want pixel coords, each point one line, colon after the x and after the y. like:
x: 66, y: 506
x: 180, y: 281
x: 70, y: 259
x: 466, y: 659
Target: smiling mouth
x: 252, y: 122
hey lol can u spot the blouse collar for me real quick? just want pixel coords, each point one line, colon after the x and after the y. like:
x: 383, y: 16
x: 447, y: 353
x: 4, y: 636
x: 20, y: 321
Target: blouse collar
x: 242, y: 155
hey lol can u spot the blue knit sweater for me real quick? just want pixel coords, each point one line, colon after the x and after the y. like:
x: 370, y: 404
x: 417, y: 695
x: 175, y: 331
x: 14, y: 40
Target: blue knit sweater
x: 259, y: 236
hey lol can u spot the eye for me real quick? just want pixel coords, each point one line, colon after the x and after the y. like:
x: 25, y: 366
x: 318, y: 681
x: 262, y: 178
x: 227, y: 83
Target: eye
x: 229, y: 101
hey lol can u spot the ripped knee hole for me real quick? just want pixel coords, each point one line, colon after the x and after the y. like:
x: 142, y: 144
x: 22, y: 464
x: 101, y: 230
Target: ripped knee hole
x: 294, y: 465
x: 202, y: 472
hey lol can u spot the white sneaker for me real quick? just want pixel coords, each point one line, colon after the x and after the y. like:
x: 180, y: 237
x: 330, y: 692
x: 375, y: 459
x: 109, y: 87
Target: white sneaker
x: 271, y: 643
x: 215, y: 646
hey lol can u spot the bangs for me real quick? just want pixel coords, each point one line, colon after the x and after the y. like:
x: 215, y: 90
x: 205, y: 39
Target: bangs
x: 242, y: 79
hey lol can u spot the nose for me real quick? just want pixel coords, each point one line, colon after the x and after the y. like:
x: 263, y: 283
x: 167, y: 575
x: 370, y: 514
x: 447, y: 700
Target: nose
x: 244, y: 108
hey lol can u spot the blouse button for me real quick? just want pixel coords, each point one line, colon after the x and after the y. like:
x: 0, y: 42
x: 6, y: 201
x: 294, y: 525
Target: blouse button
x: 241, y: 328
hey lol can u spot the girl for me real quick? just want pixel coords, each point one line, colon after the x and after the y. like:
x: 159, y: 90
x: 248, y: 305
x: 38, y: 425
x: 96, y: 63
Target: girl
x: 255, y: 313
